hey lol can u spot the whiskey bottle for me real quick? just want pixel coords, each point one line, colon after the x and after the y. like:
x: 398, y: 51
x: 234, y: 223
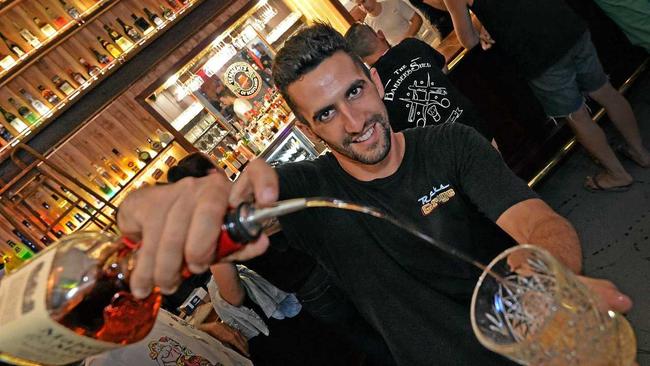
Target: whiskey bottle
x: 130, y: 32
x: 155, y: 145
x: 142, y: 24
x: 49, y: 95
x: 5, y: 134
x: 115, y: 168
x: 167, y: 13
x: 107, y: 176
x: 92, y: 70
x: 109, y: 47
x: 12, y: 120
x: 123, y: 43
x: 64, y: 86
x: 13, y: 47
x: 173, y: 4
x: 20, y: 250
x: 59, y: 21
x: 77, y: 77
x: 102, y: 58
x: 47, y: 29
x: 24, y: 112
x: 154, y: 18
x: 37, y: 104
x: 28, y: 36
x: 125, y: 161
x: 143, y: 156
x: 99, y: 183
x: 72, y: 11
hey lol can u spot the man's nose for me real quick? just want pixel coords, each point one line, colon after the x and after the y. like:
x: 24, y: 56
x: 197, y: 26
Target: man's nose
x: 353, y: 119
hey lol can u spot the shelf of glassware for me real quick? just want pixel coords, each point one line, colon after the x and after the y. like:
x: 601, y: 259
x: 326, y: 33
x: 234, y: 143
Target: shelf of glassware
x: 82, y: 89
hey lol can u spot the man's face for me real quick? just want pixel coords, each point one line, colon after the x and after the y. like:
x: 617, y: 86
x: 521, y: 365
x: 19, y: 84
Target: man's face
x: 367, y: 5
x: 344, y: 108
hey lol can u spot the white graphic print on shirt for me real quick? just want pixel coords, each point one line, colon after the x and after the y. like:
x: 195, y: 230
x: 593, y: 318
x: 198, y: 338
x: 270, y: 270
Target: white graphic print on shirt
x: 437, y: 196
x: 423, y: 99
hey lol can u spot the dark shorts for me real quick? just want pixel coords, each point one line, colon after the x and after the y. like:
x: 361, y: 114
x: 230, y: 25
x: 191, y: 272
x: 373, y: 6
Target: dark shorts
x: 561, y: 88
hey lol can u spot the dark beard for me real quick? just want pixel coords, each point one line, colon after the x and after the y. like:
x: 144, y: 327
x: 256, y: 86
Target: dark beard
x: 384, y: 142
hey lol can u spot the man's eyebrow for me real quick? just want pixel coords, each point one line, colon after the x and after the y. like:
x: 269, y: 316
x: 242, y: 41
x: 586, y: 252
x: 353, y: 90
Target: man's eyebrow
x: 357, y: 83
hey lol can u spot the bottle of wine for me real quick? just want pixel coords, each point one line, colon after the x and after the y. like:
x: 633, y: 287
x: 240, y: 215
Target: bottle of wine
x: 154, y: 18
x: 13, y: 47
x: 72, y: 11
x: 142, y: 24
x: 24, y: 112
x: 131, y: 32
x: 59, y: 21
x: 47, y: 29
x: 75, y: 297
x: 102, y: 58
x: 143, y: 156
x: 64, y: 86
x: 37, y: 104
x: 167, y: 13
x: 121, y: 41
x: 109, y: 47
x: 115, y: 168
x: 14, y: 121
x: 49, y: 95
x: 125, y: 161
x: 28, y: 36
x: 92, y: 70
x: 77, y: 77
x: 7, y: 61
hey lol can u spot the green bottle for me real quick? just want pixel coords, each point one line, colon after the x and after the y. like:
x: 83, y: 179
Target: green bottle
x: 21, y: 250
x: 24, y: 111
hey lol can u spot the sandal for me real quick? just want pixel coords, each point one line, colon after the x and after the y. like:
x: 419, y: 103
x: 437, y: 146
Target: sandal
x: 598, y: 188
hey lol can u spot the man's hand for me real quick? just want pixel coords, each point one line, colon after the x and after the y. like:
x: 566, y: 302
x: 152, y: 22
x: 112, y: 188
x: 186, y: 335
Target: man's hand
x: 486, y: 39
x: 226, y: 334
x: 181, y: 222
x: 610, y: 298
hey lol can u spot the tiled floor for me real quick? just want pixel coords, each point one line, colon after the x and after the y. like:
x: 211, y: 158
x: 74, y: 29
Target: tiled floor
x: 614, y: 227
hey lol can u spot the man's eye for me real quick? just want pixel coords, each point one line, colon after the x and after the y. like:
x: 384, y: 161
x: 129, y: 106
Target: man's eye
x: 326, y: 115
x: 354, y: 92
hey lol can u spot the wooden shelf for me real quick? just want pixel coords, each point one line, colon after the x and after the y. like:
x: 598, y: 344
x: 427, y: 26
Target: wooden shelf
x: 66, y: 103
x: 51, y: 43
x: 5, y: 6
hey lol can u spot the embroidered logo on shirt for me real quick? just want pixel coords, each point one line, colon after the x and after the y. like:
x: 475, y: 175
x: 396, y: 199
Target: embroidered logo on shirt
x: 436, y: 197
x: 169, y: 352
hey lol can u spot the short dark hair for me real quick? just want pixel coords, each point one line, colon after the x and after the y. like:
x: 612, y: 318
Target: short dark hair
x: 303, y: 52
x: 193, y: 165
x: 362, y: 39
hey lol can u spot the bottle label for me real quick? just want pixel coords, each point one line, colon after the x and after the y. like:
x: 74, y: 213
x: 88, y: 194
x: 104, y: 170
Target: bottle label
x: 28, y: 332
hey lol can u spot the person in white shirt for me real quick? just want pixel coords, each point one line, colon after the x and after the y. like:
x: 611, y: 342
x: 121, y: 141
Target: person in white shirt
x: 397, y: 20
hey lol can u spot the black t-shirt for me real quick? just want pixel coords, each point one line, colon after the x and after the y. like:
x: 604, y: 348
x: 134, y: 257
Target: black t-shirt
x: 415, y: 296
x: 440, y: 18
x: 417, y: 93
x: 533, y: 34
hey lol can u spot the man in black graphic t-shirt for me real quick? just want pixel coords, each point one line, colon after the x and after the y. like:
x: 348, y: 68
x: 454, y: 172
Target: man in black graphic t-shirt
x: 447, y: 180
x: 416, y: 91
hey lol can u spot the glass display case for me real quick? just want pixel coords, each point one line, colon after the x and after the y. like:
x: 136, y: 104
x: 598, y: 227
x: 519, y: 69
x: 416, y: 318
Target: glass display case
x: 223, y: 101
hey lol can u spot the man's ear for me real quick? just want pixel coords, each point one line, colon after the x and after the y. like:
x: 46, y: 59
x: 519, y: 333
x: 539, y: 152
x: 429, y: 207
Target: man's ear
x: 307, y: 130
x: 374, y: 76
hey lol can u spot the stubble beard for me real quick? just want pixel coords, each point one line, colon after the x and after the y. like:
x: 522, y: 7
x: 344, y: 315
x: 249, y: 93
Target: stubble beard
x: 378, y: 151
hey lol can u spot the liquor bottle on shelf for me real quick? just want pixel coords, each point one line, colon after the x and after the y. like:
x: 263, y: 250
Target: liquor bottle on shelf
x: 46, y: 28
x: 99, y: 183
x: 24, y: 240
x: 37, y: 104
x: 102, y: 58
x: 24, y: 112
x: 77, y: 77
x: 115, y: 168
x: 229, y: 158
x: 11, y: 262
x: 5, y: 134
x: 13, y: 121
x: 155, y: 145
x: 64, y: 86
x: 13, y: 47
x: 107, y: 176
x: 59, y: 21
x: 70, y: 225
x: 167, y: 13
x: 72, y: 11
x: 154, y: 18
x: 49, y: 95
x: 173, y: 4
x: 242, y: 158
x: 231, y: 171
x: 125, y: 161
x: 110, y: 48
x: 130, y: 32
x: 20, y: 250
x: 28, y: 36
x: 92, y: 70
x: 123, y: 43
x: 142, y: 24
x: 7, y: 61
x: 79, y: 217
x: 185, y: 2
x: 143, y: 155
x: 165, y: 137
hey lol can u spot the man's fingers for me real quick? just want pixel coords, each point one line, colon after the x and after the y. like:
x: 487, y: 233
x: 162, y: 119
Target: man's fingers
x: 610, y: 298
x: 249, y: 251
x: 258, y: 180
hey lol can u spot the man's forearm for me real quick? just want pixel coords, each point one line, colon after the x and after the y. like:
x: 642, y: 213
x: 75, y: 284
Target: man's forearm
x: 558, y: 236
x: 226, y: 277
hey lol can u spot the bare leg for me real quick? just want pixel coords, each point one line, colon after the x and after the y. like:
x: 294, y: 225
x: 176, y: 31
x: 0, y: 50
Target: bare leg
x: 620, y: 112
x: 592, y: 137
